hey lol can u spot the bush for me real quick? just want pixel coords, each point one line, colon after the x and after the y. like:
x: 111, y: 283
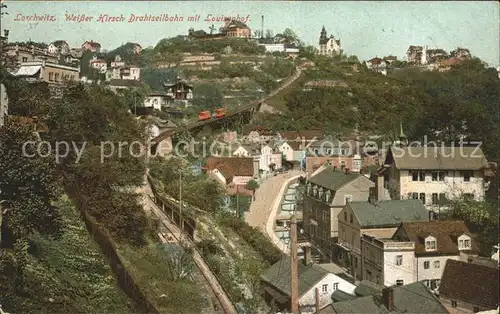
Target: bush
x: 255, y: 238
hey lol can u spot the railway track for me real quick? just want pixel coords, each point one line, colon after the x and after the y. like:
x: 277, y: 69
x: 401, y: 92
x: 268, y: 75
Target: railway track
x: 172, y: 227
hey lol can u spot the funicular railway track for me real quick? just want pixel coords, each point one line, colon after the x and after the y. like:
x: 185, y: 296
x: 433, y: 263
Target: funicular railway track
x: 251, y: 106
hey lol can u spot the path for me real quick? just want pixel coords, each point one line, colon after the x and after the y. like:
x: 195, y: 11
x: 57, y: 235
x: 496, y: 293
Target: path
x: 265, y: 197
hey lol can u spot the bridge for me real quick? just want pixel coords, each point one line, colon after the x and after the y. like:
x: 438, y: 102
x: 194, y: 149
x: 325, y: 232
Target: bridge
x: 244, y: 113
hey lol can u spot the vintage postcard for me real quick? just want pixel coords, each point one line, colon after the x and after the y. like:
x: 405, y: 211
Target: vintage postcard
x: 249, y: 157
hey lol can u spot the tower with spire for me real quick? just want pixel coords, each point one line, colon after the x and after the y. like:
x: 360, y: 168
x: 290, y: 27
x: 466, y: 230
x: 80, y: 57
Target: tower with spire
x: 323, y: 34
x: 328, y: 46
x: 403, y: 140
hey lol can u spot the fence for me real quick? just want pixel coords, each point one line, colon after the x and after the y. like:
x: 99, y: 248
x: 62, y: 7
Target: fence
x: 210, y: 275
x: 125, y: 280
x: 172, y: 210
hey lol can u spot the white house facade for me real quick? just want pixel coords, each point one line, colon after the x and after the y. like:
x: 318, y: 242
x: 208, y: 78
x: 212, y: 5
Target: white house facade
x: 326, y: 287
x: 433, y: 175
x: 409, y: 257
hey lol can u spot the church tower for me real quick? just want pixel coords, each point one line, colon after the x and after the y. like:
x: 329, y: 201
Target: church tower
x: 323, y: 33
x: 403, y: 140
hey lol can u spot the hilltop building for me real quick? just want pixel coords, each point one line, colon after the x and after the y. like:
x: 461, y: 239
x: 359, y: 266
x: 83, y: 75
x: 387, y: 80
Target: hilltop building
x: 328, y: 46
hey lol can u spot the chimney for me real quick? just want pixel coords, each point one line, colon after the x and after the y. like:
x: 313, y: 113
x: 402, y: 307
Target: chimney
x: 307, y: 255
x: 317, y: 299
x: 388, y: 298
x: 262, y: 26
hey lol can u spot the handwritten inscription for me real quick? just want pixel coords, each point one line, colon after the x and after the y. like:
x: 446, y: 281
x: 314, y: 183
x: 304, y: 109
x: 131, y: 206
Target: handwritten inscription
x: 132, y: 18
x: 35, y: 18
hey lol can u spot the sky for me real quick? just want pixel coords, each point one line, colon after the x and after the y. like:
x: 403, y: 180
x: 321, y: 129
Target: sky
x: 366, y: 29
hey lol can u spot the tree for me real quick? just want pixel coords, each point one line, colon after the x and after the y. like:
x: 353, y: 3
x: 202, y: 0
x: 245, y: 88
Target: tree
x: 135, y: 97
x: 252, y: 185
x: 207, y: 96
x: 28, y: 186
x: 96, y: 118
x: 308, y: 52
x: 291, y: 37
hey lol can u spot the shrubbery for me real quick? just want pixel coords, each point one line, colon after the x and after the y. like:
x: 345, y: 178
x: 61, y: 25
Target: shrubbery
x: 255, y: 238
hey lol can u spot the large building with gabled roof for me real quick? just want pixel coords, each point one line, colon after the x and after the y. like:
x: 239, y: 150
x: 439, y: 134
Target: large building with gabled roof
x: 328, y: 46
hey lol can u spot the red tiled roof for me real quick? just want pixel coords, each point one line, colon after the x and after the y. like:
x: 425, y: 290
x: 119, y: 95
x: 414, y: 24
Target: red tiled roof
x: 375, y: 60
x: 470, y: 283
x: 231, y: 166
x: 445, y: 232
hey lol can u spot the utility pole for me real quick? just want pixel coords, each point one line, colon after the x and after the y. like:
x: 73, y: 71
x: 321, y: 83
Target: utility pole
x: 237, y: 202
x: 294, y: 267
x: 181, y: 225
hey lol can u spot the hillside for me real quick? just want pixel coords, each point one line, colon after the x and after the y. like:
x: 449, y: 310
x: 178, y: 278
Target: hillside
x: 440, y: 105
x: 68, y: 275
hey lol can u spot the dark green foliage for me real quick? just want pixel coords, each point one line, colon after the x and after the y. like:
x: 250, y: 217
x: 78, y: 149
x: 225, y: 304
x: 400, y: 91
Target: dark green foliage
x: 197, y: 189
x: 207, y: 96
x: 424, y: 101
x: 96, y: 116
x: 155, y: 78
x: 179, y: 45
x: 255, y: 238
x: 71, y: 271
x: 28, y: 186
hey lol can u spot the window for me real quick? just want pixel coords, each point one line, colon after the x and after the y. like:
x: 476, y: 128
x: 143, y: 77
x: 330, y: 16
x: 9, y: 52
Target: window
x: 434, y: 176
x: 335, y: 286
x: 25, y: 59
x: 437, y: 264
x: 454, y: 303
x: 324, y: 288
x: 421, y: 176
x: 57, y: 77
x: 316, y: 151
x: 355, y: 262
x: 426, y: 282
x: 399, y: 260
x: 343, y: 152
x: 414, y: 196
x: 467, y: 243
x: 435, y: 199
x: 328, y: 151
x: 467, y: 175
x: 347, y: 198
x: 399, y: 282
x: 414, y: 175
x: 427, y: 265
x: 345, y: 216
x: 430, y: 245
x: 464, y: 244
x: 350, y: 218
x: 51, y: 76
x: 422, y: 198
x: 441, y: 175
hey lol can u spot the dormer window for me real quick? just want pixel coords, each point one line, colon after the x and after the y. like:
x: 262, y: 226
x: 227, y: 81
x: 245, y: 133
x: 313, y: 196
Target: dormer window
x: 315, y: 191
x: 430, y: 244
x: 328, y: 195
x: 320, y: 193
x: 464, y: 242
